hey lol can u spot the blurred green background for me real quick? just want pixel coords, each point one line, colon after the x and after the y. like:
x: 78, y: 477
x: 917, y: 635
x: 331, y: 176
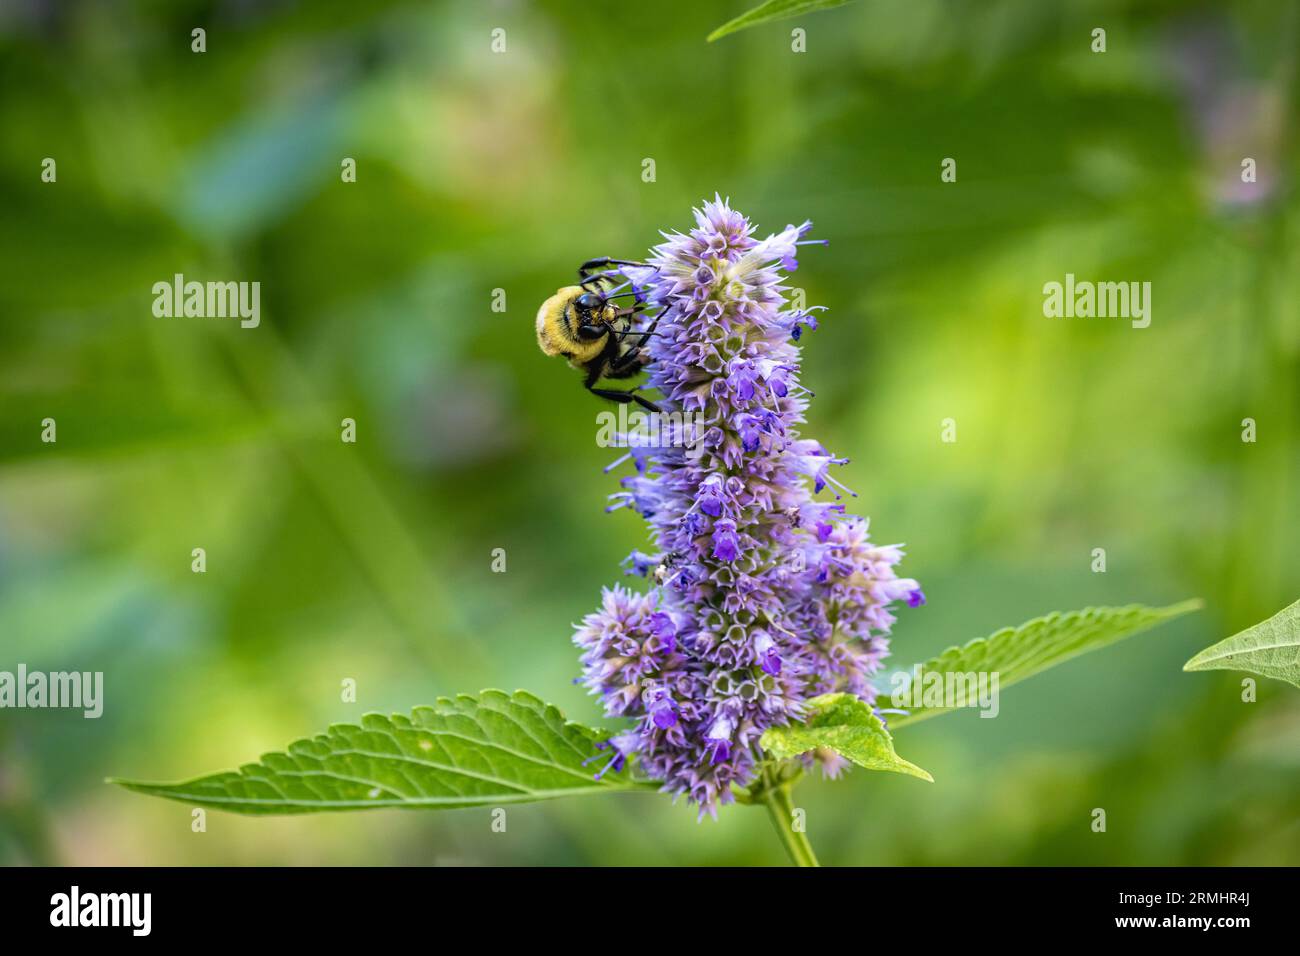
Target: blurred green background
x: 480, y: 171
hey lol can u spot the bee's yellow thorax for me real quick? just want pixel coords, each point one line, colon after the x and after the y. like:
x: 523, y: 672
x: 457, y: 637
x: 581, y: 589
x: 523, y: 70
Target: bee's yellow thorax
x: 554, y: 333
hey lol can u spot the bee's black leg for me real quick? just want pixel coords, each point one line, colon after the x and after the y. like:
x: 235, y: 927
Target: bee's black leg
x: 601, y: 263
x: 594, y: 280
x: 626, y: 368
x: 613, y: 370
x: 630, y: 360
x: 649, y: 331
x: 623, y: 397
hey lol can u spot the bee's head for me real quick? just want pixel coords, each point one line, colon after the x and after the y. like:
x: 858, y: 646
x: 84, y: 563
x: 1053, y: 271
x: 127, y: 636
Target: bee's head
x: 590, y: 307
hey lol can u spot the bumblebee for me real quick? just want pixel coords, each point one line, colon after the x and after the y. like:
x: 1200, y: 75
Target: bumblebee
x: 583, y: 324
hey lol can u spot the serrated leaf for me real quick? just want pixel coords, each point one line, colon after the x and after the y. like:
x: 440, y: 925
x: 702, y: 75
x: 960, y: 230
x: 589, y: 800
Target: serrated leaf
x: 1015, y: 653
x: 773, y: 10
x: 492, y: 749
x: 1271, y: 648
x: 845, y: 724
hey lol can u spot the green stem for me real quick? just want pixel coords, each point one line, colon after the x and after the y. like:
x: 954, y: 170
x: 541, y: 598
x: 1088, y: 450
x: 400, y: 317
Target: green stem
x: 780, y: 807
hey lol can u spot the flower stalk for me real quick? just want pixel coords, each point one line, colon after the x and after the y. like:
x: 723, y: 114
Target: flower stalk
x: 764, y: 591
x: 780, y: 809
x: 775, y: 790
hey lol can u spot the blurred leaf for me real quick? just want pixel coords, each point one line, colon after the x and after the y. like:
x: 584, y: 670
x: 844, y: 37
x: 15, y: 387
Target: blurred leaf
x: 1271, y: 648
x: 259, y: 168
x: 1015, y: 653
x: 773, y: 10
x: 472, y: 751
x: 843, y: 723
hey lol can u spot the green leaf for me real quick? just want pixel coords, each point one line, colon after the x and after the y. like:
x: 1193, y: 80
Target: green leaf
x: 845, y: 724
x: 1271, y: 648
x: 1015, y: 653
x: 472, y: 751
x: 773, y: 10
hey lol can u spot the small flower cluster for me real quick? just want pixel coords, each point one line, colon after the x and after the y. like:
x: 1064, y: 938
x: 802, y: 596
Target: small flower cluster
x: 762, y: 595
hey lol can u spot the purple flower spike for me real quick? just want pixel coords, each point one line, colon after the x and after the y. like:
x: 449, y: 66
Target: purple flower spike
x: 663, y: 628
x: 622, y: 745
x: 710, y: 496
x: 718, y: 741
x: 762, y: 595
x: 769, y: 655
x: 725, y: 544
x: 662, y: 709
